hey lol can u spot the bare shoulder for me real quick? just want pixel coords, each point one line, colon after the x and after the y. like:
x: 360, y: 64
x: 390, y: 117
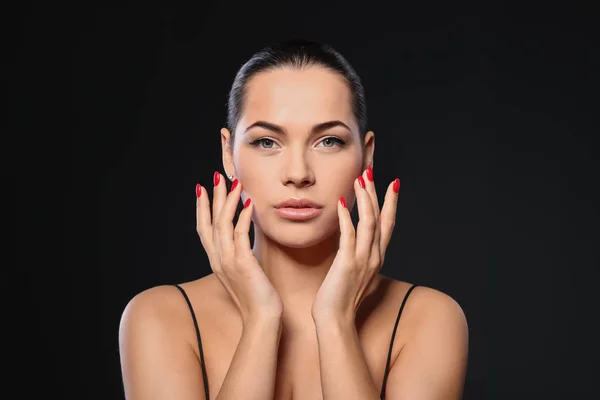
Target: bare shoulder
x: 433, y: 303
x: 166, y: 305
x: 424, y: 307
x: 433, y: 359
x: 157, y: 344
x: 151, y: 316
x: 155, y: 304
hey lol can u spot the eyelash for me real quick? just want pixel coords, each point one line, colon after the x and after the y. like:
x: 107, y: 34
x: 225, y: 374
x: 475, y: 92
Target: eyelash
x: 256, y: 142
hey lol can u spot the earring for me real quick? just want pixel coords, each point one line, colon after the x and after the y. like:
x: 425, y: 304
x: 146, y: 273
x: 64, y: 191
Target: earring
x: 230, y: 177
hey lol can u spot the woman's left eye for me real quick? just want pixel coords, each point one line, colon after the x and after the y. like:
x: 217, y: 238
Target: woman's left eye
x: 333, y: 140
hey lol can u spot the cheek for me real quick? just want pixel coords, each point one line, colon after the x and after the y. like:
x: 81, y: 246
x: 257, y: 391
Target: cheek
x: 255, y: 179
x: 342, y: 173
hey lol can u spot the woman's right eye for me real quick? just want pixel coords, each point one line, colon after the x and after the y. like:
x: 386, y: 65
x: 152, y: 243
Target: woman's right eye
x: 267, y: 141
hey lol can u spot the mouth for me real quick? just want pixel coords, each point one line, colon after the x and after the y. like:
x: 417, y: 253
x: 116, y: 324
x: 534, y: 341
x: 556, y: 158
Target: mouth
x: 298, y: 213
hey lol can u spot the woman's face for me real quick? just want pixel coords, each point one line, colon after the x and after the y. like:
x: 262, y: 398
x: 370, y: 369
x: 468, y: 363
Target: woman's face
x: 297, y: 138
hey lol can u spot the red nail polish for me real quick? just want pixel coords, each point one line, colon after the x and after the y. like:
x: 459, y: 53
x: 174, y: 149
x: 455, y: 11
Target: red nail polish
x: 233, y: 185
x: 370, y: 173
x: 198, y: 190
x: 361, y: 181
x: 216, y: 178
x: 396, y: 186
x: 343, y: 201
x: 247, y: 202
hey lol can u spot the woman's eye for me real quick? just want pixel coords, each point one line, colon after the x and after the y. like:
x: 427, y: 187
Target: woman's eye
x: 331, y: 141
x: 266, y: 141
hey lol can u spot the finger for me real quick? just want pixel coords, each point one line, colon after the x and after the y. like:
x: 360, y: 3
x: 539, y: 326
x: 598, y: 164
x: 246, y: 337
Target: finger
x: 219, y: 194
x: 372, y: 191
x: 366, y: 221
x: 347, y: 232
x: 241, y: 235
x: 224, y: 222
x: 203, y: 218
x: 388, y: 214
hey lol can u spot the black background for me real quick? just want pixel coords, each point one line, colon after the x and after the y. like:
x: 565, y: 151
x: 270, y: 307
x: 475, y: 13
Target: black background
x: 484, y: 111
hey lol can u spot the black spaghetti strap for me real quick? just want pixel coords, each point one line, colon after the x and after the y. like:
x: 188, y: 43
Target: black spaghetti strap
x: 204, y: 376
x: 389, y: 357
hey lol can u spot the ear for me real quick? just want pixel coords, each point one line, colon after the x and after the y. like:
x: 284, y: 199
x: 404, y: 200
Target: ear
x: 227, y: 151
x: 368, y: 149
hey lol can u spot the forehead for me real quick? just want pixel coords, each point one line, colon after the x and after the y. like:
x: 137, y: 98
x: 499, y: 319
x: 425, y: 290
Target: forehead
x: 292, y: 97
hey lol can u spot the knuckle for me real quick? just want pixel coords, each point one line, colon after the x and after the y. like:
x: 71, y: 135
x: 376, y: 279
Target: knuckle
x: 238, y: 233
x: 204, y: 244
x: 370, y: 222
x: 375, y: 263
x: 219, y: 226
x: 217, y: 269
x: 361, y: 259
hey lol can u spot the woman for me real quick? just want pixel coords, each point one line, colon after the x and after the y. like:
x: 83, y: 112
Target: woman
x: 304, y: 312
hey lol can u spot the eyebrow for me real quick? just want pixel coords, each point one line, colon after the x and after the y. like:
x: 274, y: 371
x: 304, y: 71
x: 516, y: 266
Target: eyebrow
x: 323, y: 126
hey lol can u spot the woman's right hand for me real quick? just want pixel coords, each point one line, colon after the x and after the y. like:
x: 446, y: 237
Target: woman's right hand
x: 229, y: 252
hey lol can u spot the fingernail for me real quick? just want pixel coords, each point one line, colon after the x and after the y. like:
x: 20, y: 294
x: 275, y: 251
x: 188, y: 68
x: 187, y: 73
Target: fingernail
x: 216, y: 178
x: 247, y: 202
x: 343, y: 201
x: 396, y: 185
x: 361, y: 181
x: 370, y: 173
x: 198, y: 190
x: 233, y: 185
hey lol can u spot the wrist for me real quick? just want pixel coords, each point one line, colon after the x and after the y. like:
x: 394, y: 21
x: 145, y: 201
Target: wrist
x: 262, y: 322
x: 333, y: 320
x: 324, y: 315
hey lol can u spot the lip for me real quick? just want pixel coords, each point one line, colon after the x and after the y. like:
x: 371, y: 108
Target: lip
x: 298, y: 214
x: 298, y: 203
x: 298, y: 209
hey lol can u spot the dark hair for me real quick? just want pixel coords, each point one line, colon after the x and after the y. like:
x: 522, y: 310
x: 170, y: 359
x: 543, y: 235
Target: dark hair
x: 298, y: 54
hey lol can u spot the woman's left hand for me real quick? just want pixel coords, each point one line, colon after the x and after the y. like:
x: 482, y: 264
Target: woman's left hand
x: 361, y: 252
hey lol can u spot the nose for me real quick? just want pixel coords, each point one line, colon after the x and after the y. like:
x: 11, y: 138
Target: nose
x: 297, y: 168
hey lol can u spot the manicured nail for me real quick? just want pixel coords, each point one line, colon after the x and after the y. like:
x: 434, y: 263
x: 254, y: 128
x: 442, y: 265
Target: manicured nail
x: 198, y: 190
x: 370, y: 173
x: 247, y: 202
x: 343, y: 201
x: 216, y: 178
x: 396, y: 186
x: 361, y: 181
x: 233, y: 185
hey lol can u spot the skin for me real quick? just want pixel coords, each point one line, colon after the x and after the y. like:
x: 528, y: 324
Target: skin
x: 297, y: 165
x: 159, y: 352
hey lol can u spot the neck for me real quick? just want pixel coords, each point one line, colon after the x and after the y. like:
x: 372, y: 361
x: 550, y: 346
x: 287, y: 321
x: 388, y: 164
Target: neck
x: 296, y: 273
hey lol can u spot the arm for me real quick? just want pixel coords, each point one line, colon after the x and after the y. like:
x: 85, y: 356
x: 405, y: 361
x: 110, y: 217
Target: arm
x: 157, y: 362
x: 344, y: 371
x: 432, y: 365
x: 252, y: 372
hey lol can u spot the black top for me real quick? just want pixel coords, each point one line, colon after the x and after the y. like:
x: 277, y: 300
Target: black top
x: 387, y: 364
